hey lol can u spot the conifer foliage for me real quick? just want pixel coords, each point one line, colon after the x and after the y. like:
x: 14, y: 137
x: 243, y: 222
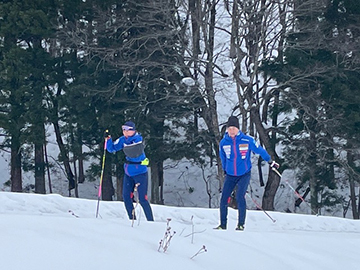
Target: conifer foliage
x: 81, y: 67
x: 321, y: 69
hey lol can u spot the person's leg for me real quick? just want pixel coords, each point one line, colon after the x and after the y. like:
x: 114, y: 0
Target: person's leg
x: 128, y: 187
x: 142, y: 179
x: 229, y: 184
x: 242, y: 186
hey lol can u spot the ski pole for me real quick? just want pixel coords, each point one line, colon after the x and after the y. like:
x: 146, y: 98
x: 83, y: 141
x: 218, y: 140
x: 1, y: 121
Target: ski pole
x: 258, y: 206
x: 101, y: 177
x: 296, y: 193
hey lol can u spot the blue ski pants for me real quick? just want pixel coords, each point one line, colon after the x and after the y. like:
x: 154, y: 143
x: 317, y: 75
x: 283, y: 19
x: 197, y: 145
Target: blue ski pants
x: 128, y: 189
x: 242, y: 183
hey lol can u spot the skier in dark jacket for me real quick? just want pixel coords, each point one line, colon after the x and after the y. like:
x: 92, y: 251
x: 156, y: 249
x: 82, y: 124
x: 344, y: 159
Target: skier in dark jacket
x: 135, y: 168
x: 235, y: 154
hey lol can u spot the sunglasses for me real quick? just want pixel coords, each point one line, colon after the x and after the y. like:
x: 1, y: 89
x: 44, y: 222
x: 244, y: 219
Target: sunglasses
x: 127, y: 128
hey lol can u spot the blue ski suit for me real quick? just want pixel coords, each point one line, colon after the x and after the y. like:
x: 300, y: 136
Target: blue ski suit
x: 235, y: 154
x: 135, y: 173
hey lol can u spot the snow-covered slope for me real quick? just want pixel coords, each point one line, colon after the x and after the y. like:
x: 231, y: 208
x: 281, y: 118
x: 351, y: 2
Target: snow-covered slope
x: 55, y: 232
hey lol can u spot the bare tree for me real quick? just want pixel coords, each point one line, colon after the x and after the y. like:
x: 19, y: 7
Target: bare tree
x: 202, y: 67
x: 258, y: 30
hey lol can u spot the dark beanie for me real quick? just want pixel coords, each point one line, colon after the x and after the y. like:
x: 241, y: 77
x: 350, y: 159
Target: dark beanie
x: 130, y: 125
x: 233, y: 122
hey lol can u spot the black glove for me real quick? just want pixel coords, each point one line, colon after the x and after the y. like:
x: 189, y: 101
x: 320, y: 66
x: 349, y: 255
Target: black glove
x: 273, y: 164
x: 224, y: 172
x: 107, y: 134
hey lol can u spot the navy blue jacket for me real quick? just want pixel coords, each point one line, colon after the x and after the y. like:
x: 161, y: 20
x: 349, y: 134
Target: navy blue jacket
x: 133, y: 154
x: 235, y: 153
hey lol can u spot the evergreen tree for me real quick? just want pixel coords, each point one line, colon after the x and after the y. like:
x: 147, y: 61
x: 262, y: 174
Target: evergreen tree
x: 79, y: 105
x: 316, y: 71
x: 25, y: 69
x: 137, y: 47
x: 343, y: 89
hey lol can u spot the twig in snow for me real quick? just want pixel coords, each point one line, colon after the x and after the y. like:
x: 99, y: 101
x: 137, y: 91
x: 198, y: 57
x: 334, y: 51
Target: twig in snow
x: 165, y: 242
x: 193, y: 231
x: 201, y: 250
x: 191, y: 234
x: 73, y: 214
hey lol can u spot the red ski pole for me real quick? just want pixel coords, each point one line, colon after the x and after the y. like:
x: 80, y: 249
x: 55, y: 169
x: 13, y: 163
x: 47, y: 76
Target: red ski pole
x: 258, y: 206
x: 296, y: 193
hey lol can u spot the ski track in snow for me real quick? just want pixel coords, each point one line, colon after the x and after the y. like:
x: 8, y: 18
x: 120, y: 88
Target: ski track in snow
x: 43, y: 232
x: 53, y: 204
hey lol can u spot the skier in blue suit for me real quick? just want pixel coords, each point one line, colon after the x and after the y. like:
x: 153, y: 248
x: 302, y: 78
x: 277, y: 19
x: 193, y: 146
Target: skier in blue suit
x: 135, y: 168
x: 235, y: 153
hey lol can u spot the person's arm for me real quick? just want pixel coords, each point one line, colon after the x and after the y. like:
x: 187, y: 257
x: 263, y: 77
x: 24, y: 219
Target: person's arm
x: 114, y: 146
x: 258, y: 149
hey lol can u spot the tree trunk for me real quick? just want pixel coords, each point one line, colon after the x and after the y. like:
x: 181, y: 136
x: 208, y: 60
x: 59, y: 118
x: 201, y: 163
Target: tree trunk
x: 64, y: 156
x: 39, y: 169
x: 273, y: 181
x: 156, y: 180
x: 271, y: 188
x: 355, y: 211
x: 264, y: 138
x: 119, y: 181
x: 76, y: 178
x: 358, y: 209
x: 47, y: 167
x: 211, y: 115
x: 108, y: 190
x: 313, y: 179
x: 195, y: 9
x: 81, y: 177
x: 161, y: 182
x: 80, y: 157
x: 350, y: 159
x: 15, y: 174
x: 234, y: 31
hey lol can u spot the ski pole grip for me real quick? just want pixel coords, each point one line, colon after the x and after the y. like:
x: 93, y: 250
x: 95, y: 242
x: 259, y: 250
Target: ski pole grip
x: 107, y: 134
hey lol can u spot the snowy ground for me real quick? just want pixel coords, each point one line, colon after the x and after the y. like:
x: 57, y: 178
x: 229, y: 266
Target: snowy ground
x: 55, y: 232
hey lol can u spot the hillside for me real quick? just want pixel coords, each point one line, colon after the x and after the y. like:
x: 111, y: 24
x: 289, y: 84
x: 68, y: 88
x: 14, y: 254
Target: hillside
x: 55, y: 232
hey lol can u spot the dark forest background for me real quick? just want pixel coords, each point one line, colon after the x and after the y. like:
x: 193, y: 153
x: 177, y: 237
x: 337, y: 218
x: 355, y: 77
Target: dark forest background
x: 87, y: 66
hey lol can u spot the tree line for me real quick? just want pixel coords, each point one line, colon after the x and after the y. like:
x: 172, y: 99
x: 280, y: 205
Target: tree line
x: 289, y: 68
